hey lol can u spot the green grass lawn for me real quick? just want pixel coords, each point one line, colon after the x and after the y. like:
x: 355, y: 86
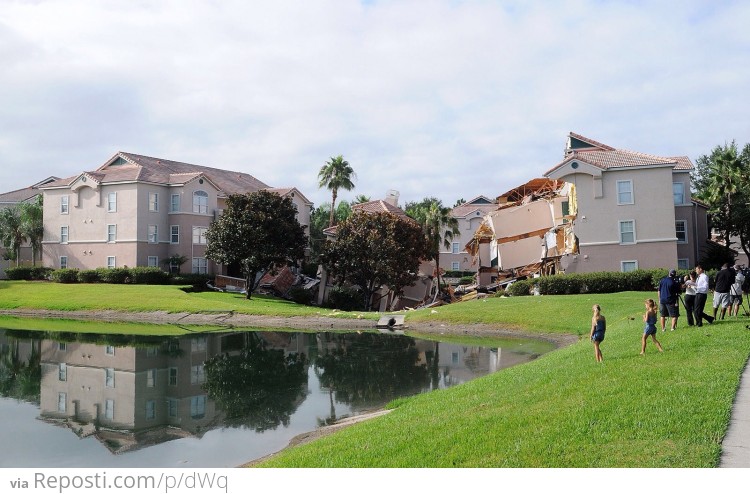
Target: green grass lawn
x: 561, y: 410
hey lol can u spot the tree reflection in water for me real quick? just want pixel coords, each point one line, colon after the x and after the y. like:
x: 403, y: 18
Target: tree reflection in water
x: 371, y: 369
x: 258, y: 387
x: 20, y: 379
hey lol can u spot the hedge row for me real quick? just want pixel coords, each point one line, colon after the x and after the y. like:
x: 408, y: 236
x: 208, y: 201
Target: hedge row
x: 137, y: 275
x: 603, y: 282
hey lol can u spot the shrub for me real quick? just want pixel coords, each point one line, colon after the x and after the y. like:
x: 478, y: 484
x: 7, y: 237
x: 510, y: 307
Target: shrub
x: 517, y: 288
x: 345, y: 298
x: 600, y: 282
x: 299, y: 295
x: 148, y: 276
x: 88, y: 276
x: 113, y: 275
x: 65, y: 275
x: 466, y: 280
x: 28, y: 273
x: 194, y: 279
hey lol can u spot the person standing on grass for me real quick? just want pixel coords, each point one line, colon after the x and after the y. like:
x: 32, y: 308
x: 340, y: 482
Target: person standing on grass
x: 735, y: 293
x: 724, y: 281
x: 650, y: 330
x: 598, y: 328
x: 701, y: 294
x: 690, y: 285
x: 669, y: 291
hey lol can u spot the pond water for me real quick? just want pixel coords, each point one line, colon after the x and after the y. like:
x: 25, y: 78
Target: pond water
x: 210, y: 400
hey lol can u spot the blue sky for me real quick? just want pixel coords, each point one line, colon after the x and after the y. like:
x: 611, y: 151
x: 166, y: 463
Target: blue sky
x: 430, y: 98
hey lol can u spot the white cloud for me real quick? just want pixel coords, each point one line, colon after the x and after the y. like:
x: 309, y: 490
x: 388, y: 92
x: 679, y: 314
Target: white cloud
x: 444, y: 98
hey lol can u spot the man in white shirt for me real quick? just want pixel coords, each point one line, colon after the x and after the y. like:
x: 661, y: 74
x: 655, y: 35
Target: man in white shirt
x: 735, y: 293
x: 701, y: 294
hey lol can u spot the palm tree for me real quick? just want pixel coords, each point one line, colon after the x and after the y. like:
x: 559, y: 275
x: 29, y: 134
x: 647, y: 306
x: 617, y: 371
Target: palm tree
x: 724, y: 182
x: 32, y: 219
x: 334, y: 175
x: 361, y: 199
x: 12, y: 232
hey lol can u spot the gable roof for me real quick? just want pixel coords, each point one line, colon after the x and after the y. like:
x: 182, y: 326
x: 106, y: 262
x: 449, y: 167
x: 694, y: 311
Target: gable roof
x: 605, y: 157
x: 130, y: 167
x: 25, y: 194
x: 483, y: 204
x: 373, y: 207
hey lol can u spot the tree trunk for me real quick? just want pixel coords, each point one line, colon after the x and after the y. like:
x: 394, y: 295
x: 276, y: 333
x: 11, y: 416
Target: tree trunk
x: 249, y: 282
x: 333, y: 208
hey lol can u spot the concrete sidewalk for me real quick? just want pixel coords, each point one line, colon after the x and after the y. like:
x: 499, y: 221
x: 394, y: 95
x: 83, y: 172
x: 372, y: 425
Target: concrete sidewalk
x: 735, y: 449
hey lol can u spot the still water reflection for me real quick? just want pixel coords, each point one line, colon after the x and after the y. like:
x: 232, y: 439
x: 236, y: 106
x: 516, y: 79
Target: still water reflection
x: 209, y: 400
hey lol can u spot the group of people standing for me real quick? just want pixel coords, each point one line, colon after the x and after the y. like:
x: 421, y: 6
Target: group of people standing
x: 727, y: 296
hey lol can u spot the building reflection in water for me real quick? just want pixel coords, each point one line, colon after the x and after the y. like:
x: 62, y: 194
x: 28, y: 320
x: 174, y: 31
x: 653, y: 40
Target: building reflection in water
x: 133, y: 392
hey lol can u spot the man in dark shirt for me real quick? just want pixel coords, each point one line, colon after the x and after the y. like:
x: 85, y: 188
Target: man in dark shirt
x: 724, y: 281
x: 669, y: 290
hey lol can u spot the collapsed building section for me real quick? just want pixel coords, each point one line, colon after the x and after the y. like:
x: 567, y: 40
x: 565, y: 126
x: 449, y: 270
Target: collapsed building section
x: 530, y: 232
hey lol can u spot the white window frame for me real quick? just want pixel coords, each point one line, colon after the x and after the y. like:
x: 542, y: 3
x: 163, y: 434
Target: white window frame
x: 64, y: 234
x: 150, y: 378
x: 174, y: 204
x: 681, y: 193
x: 634, y: 262
x: 197, y: 374
x: 172, y: 376
x: 174, y: 234
x: 64, y: 204
x: 111, y: 234
x: 111, y: 262
x: 109, y: 409
x: 198, y: 344
x: 683, y: 263
x: 684, y: 230
x: 455, y: 248
x: 620, y: 232
x: 455, y: 266
x: 625, y: 201
x: 200, y: 206
x: 150, y: 409
x: 112, y: 202
x: 153, y: 202
x: 109, y: 350
x: 62, y: 402
x: 153, y: 261
x: 62, y: 346
x: 200, y: 265
x: 109, y: 377
x: 199, y: 235
x: 153, y: 234
x: 62, y: 371
x: 198, y: 406
x: 172, y: 407
x: 63, y: 262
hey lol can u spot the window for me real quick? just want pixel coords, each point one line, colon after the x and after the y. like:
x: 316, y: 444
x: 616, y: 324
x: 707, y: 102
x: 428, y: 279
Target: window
x: 199, y: 235
x: 454, y: 358
x: 62, y: 372
x: 62, y: 402
x: 153, y: 234
x: 683, y: 263
x: 198, y: 344
x: 628, y: 266
x: 627, y: 232
x: 678, y: 190
x: 62, y: 346
x: 111, y: 264
x: 200, y: 202
x: 198, y: 407
x: 173, y: 376
x: 152, y: 351
x: 64, y: 204
x: 111, y: 233
x: 200, y: 265
x: 455, y: 266
x: 63, y: 234
x: 63, y: 262
x: 109, y: 350
x: 680, y: 227
x: 153, y: 201
x: 153, y: 261
x: 624, y: 192
x: 150, y: 409
x: 174, y: 234
x: 455, y: 248
x: 174, y: 205
x: 109, y: 378
x: 112, y: 202
x: 172, y: 407
x: 109, y: 409
x: 150, y: 378
x: 197, y: 374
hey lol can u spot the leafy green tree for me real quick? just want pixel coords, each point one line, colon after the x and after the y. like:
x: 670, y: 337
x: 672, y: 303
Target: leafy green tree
x: 373, y: 250
x: 334, y: 175
x: 721, y: 180
x: 260, y: 232
x: 439, y: 227
x: 175, y: 260
x: 319, y: 221
x: 12, y: 232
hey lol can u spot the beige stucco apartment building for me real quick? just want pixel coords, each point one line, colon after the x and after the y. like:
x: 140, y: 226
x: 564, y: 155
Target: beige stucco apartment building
x: 634, y: 209
x: 139, y: 211
x: 469, y: 216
